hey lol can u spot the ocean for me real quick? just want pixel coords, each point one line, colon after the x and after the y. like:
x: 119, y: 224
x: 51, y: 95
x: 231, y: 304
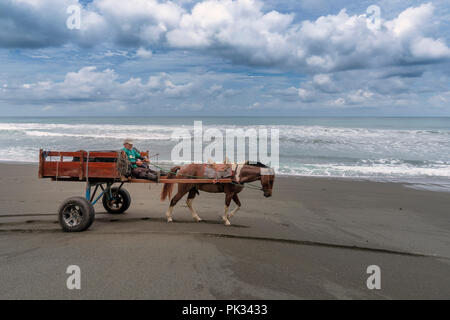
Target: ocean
x: 415, y: 150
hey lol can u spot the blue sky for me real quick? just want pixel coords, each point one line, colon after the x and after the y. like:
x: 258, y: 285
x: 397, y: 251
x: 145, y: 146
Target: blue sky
x: 224, y: 57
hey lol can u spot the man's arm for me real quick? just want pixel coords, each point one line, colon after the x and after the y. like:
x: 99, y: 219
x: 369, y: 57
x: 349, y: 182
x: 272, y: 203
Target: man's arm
x: 140, y: 157
x: 137, y: 154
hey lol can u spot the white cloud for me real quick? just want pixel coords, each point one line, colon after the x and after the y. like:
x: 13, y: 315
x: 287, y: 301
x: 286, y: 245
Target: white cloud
x: 116, y: 53
x: 440, y: 100
x: 238, y: 30
x: 134, y: 22
x: 143, y: 53
x: 321, y: 79
x: 255, y: 105
x: 412, y: 21
x: 305, y: 95
x: 90, y: 84
x: 325, y: 83
x: 360, y: 96
x: 427, y: 48
x: 339, y: 101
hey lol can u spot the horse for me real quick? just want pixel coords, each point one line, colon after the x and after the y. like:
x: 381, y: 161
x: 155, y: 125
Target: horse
x: 243, y: 173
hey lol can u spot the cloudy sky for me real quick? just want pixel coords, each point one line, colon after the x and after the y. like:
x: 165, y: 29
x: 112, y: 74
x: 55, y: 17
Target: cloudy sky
x: 225, y: 57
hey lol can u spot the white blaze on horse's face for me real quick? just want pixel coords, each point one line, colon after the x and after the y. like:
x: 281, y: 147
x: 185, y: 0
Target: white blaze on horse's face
x: 267, y: 178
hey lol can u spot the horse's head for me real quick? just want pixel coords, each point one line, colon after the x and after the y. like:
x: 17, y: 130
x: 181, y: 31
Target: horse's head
x: 265, y: 174
x: 267, y: 180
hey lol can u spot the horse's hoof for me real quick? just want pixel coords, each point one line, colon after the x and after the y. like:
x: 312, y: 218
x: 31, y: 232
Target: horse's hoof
x: 169, y: 220
x: 227, y: 223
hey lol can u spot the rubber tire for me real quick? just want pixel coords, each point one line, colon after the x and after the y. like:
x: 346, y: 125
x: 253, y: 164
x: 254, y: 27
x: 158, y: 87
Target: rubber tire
x: 87, y: 210
x: 126, y: 201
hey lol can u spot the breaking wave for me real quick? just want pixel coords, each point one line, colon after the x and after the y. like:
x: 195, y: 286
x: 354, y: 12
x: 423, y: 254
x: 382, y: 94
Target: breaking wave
x: 305, y: 150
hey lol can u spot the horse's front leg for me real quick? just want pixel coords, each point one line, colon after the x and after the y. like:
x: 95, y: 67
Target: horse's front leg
x: 228, y: 197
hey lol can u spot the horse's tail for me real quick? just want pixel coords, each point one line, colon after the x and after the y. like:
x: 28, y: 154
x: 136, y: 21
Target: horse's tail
x: 168, y: 187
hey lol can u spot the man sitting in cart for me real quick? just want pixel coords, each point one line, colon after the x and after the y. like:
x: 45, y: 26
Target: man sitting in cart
x: 139, y: 164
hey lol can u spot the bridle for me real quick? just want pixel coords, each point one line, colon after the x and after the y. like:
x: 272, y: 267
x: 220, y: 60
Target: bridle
x: 264, y: 173
x: 265, y: 181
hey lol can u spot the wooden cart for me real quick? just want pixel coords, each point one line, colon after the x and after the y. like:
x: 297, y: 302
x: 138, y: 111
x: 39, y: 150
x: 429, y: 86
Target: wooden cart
x: 100, y: 173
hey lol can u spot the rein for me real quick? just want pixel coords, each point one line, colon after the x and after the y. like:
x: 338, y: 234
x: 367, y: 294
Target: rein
x: 247, y: 185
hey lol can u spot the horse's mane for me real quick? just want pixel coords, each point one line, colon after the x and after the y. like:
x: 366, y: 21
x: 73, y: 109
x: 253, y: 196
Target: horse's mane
x: 257, y: 164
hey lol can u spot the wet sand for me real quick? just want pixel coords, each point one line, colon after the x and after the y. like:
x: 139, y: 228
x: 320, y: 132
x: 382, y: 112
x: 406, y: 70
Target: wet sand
x: 314, y: 239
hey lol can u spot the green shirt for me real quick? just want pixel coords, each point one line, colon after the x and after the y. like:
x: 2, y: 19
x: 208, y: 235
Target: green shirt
x: 133, y: 155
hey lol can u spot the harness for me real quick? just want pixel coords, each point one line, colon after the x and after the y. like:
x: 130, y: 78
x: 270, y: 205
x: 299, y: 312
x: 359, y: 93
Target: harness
x: 236, y: 172
x: 267, y: 172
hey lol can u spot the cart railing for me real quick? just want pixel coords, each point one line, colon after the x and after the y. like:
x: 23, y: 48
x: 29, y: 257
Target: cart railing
x: 53, y: 164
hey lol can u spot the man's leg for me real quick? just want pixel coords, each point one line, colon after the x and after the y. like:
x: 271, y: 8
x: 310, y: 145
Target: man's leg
x: 143, y: 173
x: 151, y: 175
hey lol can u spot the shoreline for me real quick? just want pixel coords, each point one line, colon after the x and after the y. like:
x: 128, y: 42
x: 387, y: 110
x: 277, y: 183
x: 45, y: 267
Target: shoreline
x: 434, y: 184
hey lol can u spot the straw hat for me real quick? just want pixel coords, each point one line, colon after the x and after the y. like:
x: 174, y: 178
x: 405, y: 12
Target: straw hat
x: 128, y: 141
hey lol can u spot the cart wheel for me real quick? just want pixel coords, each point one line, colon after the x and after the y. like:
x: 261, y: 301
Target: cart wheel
x: 119, y: 203
x: 76, y: 214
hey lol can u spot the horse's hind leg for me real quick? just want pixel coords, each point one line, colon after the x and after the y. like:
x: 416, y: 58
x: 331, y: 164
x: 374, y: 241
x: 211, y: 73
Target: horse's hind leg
x: 189, y: 201
x: 182, y: 190
x: 238, y: 203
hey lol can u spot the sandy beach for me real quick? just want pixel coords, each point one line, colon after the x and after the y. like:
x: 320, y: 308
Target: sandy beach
x: 314, y: 239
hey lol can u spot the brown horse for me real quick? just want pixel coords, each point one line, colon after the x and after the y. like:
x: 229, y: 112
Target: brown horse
x: 243, y: 173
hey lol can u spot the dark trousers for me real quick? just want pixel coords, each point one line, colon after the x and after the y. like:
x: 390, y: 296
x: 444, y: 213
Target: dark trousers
x: 144, y: 173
